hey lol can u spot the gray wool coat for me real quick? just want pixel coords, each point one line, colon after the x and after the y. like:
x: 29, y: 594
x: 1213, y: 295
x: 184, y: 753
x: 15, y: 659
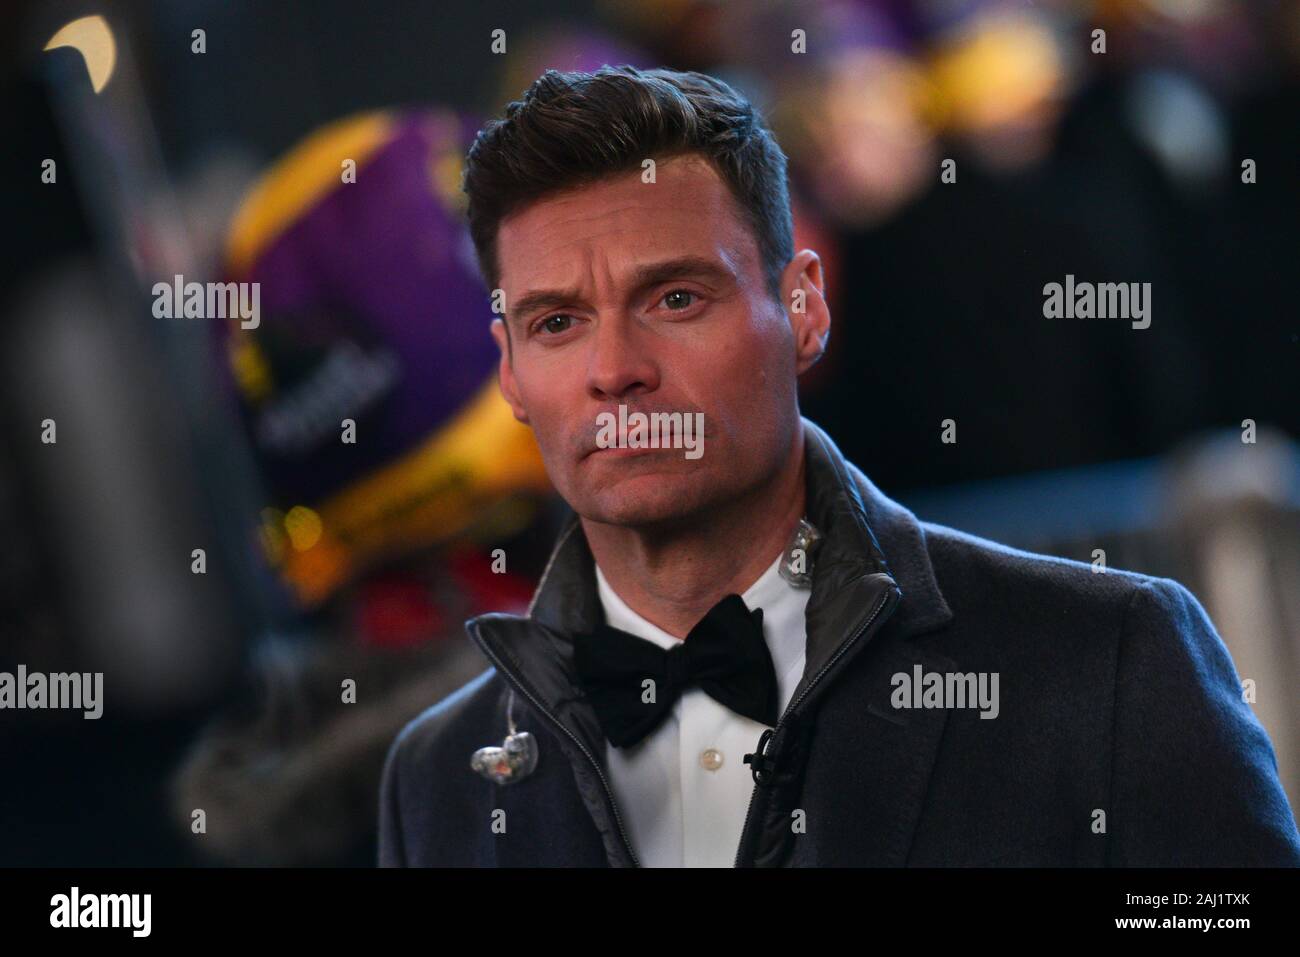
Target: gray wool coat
x: 1120, y: 739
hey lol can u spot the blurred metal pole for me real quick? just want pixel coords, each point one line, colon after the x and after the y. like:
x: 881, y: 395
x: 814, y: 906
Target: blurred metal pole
x: 149, y: 464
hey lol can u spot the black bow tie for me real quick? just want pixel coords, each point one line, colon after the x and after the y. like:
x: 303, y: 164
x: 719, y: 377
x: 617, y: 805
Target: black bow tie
x: 724, y: 654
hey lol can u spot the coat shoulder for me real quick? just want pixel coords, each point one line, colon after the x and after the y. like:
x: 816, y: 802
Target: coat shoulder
x: 1141, y: 691
x: 970, y: 568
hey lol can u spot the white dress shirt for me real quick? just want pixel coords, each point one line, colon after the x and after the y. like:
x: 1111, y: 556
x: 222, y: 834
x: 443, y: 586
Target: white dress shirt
x: 683, y: 790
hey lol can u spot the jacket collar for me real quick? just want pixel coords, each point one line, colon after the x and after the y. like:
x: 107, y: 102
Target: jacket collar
x: 865, y: 535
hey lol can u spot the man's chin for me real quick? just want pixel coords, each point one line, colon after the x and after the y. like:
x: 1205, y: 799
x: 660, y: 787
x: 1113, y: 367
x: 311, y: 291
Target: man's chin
x: 644, y: 500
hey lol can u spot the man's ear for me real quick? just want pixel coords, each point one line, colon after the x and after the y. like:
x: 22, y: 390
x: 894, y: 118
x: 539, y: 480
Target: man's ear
x: 802, y: 285
x: 506, y: 372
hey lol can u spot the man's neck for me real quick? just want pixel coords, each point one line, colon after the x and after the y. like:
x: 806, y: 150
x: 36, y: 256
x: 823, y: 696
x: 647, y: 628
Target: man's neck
x: 673, y: 580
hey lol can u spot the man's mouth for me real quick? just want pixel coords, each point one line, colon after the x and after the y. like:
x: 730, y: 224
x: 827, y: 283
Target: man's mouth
x: 618, y: 453
x: 629, y: 434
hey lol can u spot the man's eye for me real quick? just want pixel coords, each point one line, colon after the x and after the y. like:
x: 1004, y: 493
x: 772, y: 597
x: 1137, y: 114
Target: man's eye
x: 555, y: 324
x: 679, y: 299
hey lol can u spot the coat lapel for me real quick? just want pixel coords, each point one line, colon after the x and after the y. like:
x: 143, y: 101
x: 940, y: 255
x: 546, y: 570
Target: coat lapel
x: 868, y: 774
x: 867, y: 534
x: 536, y: 652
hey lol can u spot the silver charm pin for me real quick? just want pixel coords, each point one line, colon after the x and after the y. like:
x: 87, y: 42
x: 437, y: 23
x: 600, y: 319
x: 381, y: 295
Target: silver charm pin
x: 514, y: 760
x: 797, y: 562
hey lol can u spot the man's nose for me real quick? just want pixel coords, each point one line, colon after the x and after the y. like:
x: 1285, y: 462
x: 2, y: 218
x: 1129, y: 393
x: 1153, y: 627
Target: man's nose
x: 621, y: 362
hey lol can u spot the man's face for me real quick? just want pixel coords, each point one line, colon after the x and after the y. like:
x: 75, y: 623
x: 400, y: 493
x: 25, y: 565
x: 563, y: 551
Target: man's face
x: 652, y: 296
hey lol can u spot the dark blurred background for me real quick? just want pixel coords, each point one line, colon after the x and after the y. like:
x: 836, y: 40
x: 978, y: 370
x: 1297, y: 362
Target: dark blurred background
x: 1162, y: 150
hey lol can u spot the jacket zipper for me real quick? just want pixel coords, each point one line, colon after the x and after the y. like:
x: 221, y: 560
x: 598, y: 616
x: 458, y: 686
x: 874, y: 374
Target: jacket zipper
x: 523, y: 689
x: 771, y: 733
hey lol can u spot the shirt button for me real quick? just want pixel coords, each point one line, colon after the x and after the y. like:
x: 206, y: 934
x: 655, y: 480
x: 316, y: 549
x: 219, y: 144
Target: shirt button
x: 711, y: 759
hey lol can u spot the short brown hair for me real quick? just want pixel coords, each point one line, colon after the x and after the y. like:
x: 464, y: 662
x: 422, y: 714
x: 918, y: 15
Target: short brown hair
x: 575, y: 128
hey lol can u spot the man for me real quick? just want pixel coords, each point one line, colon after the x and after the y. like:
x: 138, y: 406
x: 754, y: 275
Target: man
x: 750, y: 655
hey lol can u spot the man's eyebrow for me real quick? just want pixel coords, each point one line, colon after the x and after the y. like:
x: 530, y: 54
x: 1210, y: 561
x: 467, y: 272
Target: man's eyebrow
x: 682, y: 267
x: 650, y: 274
x: 540, y: 299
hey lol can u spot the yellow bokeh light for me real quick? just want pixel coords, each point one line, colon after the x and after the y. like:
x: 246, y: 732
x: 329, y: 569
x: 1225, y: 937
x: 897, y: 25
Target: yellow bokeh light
x: 303, y: 526
x: 92, y: 38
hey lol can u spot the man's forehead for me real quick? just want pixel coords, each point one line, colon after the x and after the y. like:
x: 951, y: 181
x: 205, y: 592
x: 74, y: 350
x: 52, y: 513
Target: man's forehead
x: 622, y: 221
